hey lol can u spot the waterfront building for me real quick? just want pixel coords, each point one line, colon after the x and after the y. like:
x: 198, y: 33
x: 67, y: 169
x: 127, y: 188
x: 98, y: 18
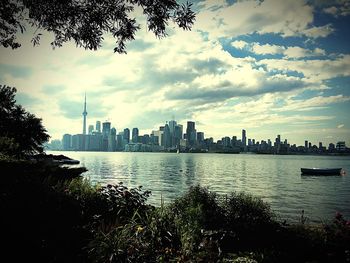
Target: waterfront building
x: 269, y: 143
x: 78, y: 142
x: 98, y: 126
x: 67, y: 142
x: 191, y: 133
x: 112, y: 143
x: 249, y: 142
x: 106, y: 128
x: 166, y: 140
x: 145, y: 139
x: 91, y: 129
x: 120, y: 142
x: 178, y: 134
x: 126, y: 135
x: 244, y: 138
x: 94, y: 142
x: 135, y: 135
x: 226, y: 141
x: 158, y: 134
x: 234, y: 141
x: 341, y: 147
x: 306, y: 144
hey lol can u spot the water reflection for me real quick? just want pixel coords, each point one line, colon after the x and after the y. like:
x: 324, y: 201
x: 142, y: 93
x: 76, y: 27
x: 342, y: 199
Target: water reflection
x: 276, y: 179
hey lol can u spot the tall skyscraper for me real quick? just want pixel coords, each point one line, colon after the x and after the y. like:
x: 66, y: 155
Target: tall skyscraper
x: 126, y: 135
x: 191, y: 133
x: 135, y: 135
x: 166, y: 137
x: 91, y: 128
x: 112, y: 143
x: 98, y: 126
x: 244, y: 138
x: 106, y: 128
x: 84, y: 117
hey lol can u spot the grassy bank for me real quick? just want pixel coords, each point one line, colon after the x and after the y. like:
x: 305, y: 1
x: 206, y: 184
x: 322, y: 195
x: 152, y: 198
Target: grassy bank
x: 51, y: 214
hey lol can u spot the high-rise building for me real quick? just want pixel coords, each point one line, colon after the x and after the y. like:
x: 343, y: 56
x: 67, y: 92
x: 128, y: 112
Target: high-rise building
x: 166, y: 141
x: 200, y: 137
x: 120, y: 142
x: 84, y: 117
x: 191, y: 133
x: 112, y: 143
x: 135, y: 135
x: 172, y: 125
x: 78, y: 142
x: 244, y: 138
x: 126, y: 135
x: 94, y: 142
x: 341, y: 146
x: 91, y: 129
x: 172, y: 128
x: 226, y: 141
x: 306, y: 144
x: 67, y: 142
x: 106, y: 128
x: 178, y: 134
x: 98, y: 126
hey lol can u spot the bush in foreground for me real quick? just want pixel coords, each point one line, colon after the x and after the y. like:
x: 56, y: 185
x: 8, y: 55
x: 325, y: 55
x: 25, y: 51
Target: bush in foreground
x: 51, y: 214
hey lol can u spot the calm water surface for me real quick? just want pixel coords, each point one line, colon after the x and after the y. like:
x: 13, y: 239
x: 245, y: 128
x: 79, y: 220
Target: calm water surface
x: 274, y: 178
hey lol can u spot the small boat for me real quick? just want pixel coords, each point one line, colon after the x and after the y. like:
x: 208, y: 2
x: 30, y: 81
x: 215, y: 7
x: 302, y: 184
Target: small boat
x: 321, y: 171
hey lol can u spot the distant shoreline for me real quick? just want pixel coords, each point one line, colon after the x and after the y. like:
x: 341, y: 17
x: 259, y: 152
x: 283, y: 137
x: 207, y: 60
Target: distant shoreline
x: 230, y: 153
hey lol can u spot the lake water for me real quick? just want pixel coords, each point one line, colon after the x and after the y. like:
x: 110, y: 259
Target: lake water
x: 274, y: 178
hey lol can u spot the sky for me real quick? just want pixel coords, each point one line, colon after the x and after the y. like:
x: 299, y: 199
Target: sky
x: 269, y: 67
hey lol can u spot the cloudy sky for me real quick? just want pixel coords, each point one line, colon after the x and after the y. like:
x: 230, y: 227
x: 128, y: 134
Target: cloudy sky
x: 270, y: 67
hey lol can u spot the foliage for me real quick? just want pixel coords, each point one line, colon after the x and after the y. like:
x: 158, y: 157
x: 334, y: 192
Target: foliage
x: 8, y: 146
x: 20, y: 131
x: 52, y: 215
x: 85, y: 22
x: 38, y: 222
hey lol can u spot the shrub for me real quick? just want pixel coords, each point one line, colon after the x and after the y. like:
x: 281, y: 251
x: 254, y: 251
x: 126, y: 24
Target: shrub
x: 245, y: 212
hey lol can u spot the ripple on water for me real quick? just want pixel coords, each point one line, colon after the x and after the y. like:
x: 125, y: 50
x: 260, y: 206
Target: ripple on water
x: 276, y: 179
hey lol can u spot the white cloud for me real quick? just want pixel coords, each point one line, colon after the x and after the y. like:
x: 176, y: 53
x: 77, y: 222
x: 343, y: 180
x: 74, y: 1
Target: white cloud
x: 266, y: 49
x: 187, y: 75
x: 287, y: 18
x: 331, y: 10
x: 239, y: 44
x: 340, y: 126
x: 315, y: 70
x: 288, y: 52
x: 341, y: 8
x: 312, y: 103
x: 321, y: 31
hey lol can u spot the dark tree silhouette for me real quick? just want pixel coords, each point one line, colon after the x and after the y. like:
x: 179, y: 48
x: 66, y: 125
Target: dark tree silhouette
x: 20, y: 131
x: 86, y: 21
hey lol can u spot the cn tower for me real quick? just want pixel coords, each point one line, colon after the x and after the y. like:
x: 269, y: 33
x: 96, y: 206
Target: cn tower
x: 84, y: 116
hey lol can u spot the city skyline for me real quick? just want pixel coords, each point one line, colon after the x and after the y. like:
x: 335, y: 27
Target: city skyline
x: 272, y: 67
x: 173, y: 136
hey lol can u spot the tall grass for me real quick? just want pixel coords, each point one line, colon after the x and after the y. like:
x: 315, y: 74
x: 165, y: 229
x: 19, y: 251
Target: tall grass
x: 52, y: 214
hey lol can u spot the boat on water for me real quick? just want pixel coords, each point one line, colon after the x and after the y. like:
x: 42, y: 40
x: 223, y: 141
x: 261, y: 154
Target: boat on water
x: 321, y: 171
